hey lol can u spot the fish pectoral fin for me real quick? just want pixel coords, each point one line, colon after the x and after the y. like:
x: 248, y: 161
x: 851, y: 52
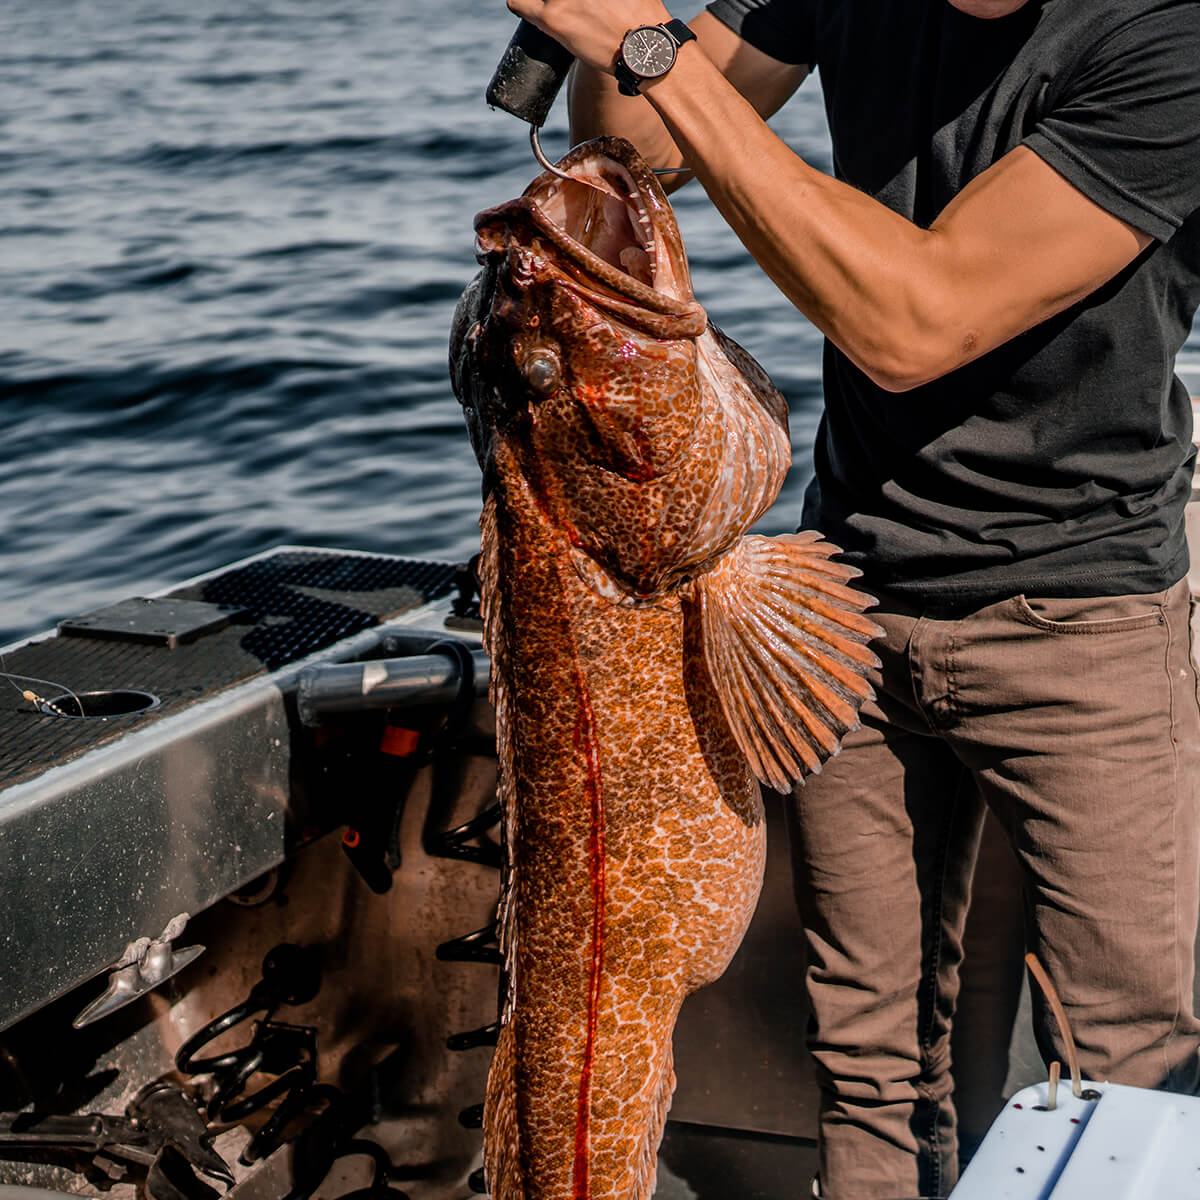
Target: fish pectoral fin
x: 785, y: 644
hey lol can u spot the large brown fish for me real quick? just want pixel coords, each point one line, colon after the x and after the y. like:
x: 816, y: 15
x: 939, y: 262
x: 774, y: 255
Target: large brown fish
x: 651, y: 663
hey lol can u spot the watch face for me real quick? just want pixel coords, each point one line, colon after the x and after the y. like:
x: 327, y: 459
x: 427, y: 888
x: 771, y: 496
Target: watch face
x: 648, y: 51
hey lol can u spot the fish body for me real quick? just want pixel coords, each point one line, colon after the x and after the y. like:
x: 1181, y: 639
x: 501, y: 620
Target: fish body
x: 651, y: 664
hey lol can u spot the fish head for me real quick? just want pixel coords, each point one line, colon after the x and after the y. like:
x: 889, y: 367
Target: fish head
x: 587, y: 338
x: 577, y: 354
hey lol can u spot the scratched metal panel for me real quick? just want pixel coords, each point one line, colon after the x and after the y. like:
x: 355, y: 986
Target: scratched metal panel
x: 111, y: 828
x: 111, y: 846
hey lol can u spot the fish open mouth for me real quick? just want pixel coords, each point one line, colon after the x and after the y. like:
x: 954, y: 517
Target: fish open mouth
x: 611, y: 223
x: 604, y: 212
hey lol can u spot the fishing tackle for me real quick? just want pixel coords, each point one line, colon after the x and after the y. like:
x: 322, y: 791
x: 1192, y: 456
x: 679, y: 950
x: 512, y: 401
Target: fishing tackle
x: 1050, y: 992
x: 371, y: 837
x: 330, y: 1137
x: 379, y: 1188
x: 160, y: 1130
x: 48, y: 707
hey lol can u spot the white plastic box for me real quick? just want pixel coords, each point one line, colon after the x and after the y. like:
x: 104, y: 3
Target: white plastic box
x: 1130, y: 1144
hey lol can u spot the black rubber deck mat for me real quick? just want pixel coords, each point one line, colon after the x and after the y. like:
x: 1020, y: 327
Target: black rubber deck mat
x: 287, y: 604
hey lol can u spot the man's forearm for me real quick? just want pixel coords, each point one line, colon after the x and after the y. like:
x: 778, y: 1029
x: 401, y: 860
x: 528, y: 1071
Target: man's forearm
x: 842, y: 258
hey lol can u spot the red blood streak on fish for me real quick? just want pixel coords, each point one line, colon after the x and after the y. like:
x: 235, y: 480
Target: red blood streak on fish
x: 585, y: 737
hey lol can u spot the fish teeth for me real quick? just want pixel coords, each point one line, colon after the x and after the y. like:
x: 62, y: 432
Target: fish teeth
x: 648, y: 242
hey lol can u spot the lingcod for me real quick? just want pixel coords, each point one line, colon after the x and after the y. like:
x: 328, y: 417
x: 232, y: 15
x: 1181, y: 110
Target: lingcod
x: 653, y: 664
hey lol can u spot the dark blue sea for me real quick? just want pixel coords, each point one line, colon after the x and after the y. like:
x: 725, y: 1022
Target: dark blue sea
x: 232, y: 234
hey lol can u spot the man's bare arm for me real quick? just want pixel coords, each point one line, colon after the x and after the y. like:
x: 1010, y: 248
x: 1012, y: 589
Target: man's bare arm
x: 908, y: 305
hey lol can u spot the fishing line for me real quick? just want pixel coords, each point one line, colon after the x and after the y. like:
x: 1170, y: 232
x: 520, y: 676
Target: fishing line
x: 40, y: 702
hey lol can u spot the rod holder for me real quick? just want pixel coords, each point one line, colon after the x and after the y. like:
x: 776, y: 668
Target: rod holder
x: 410, y: 682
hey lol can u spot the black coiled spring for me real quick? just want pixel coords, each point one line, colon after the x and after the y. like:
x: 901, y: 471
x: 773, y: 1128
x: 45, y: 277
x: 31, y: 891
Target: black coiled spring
x: 291, y: 975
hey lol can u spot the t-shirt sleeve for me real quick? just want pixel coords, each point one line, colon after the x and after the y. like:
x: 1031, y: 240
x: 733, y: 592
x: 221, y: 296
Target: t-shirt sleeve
x: 784, y: 29
x: 1126, y: 128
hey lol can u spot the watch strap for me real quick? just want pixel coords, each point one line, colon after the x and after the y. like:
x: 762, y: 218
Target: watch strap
x: 679, y: 30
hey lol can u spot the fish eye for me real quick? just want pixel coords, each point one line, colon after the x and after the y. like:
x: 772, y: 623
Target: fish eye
x: 542, y: 371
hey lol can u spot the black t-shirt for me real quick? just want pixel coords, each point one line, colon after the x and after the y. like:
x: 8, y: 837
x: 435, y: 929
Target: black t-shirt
x: 1060, y: 463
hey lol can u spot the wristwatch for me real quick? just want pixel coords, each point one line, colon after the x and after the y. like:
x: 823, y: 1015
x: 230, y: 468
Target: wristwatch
x: 648, y: 52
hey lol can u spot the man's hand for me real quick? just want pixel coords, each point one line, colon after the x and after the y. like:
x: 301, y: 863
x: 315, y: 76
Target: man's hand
x: 591, y: 29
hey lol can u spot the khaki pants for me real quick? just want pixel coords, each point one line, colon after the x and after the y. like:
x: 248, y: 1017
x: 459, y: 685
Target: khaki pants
x: 1077, y: 722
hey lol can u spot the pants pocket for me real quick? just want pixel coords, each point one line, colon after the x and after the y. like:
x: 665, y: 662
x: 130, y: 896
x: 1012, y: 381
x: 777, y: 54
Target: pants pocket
x: 1092, y: 614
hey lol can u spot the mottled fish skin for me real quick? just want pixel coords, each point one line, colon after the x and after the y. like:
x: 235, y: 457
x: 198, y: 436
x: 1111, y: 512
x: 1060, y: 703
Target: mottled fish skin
x: 626, y: 446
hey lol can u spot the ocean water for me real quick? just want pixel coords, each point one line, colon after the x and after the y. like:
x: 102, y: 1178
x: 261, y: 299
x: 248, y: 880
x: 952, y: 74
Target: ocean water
x: 232, y: 234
